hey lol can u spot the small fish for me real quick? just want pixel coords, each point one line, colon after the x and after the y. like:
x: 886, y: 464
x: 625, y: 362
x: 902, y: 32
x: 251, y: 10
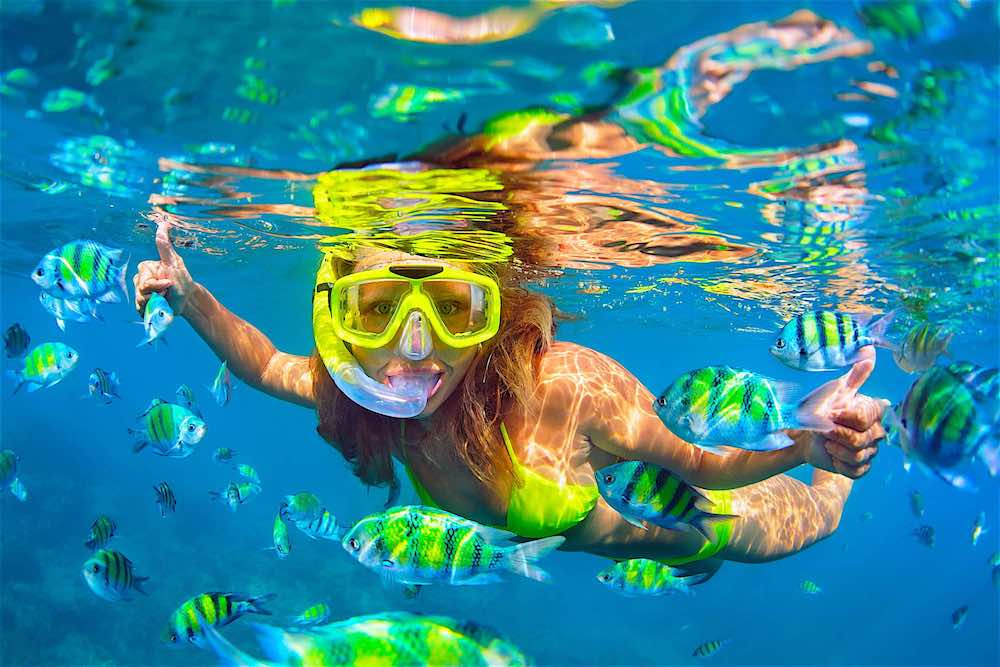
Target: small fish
x: 825, y: 340
x: 157, y: 317
x: 83, y: 270
x: 925, y: 535
x: 46, y: 365
x: 958, y: 617
x: 709, y: 648
x: 917, y: 504
x: 402, y: 102
x: 67, y: 310
x: 186, y: 624
x: 978, y: 528
x: 111, y: 576
x: 185, y: 398
x: 644, y: 577
x: 643, y: 492
x: 103, y: 384
x: 101, y: 532
x: 165, y: 498
x: 995, y: 558
x: 922, y: 346
x: 719, y: 405
x: 303, y: 506
x: 318, y: 614
x: 247, y: 472
x: 810, y: 587
x: 942, y: 425
x: 412, y: 544
x: 236, y: 494
x: 222, y: 387
x: 15, y: 340
x: 172, y: 430
x: 282, y: 545
x: 8, y: 475
x: 223, y: 455
x: 867, y: 516
x: 325, y: 526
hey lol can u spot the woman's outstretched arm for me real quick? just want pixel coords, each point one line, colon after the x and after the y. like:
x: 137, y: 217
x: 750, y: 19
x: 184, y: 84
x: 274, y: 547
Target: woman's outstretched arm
x: 250, y: 354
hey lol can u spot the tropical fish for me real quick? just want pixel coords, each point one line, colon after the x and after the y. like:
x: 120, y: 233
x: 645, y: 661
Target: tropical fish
x: 157, y: 316
x: 402, y: 102
x: 165, y: 498
x: 646, y: 492
x: 982, y: 380
x: 185, y: 398
x: 101, y: 532
x: 925, y: 535
x: 236, y: 494
x: 83, y: 310
x: 325, y: 526
x: 810, y: 587
x: 111, y: 576
x: 824, y: 340
x: 641, y: 577
x: 942, y: 424
x: 247, y: 472
x: 719, y: 405
x: 8, y: 475
x: 223, y: 454
x: 46, y: 365
x: 709, y: 648
x: 303, y: 506
x: 318, y: 614
x: 380, y: 640
x: 103, y: 384
x: 958, y: 616
x: 917, y: 504
x: 995, y: 558
x: 172, y: 430
x: 282, y: 545
x: 411, y: 544
x: 188, y: 622
x: 978, y: 528
x: 922, y: 346
x: 15, y: 340
x: 867, y: 516
x: 83, y: 270
x: 222, y: 386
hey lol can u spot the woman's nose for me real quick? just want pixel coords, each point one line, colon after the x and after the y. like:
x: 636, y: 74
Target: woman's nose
x: 415, y: 342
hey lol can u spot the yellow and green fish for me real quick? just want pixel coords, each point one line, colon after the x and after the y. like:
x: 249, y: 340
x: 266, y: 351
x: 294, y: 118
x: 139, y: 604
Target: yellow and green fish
x: 45, y: 366
x: 303, y: 506
x: 642, y: 577
x: 921, y: 348
x: 279, y: 533
x: 101, y: 532
x: 236, y: 494
x: 214, y: 609
x: 8, y: 475
x: 171, y: 430
x: 823, y: 340
x: 112, y: 576
x: 83, y: 269
x: 317, y: 614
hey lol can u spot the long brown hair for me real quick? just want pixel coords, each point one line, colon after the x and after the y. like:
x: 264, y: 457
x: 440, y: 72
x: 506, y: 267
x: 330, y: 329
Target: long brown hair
x: 502, y: 375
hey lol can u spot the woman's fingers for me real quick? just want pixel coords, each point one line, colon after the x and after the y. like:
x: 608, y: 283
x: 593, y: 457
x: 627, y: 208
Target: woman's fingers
x: 168, y: 255
x: 853, y: 456
x: 863, y: 413
x: 854, y: 472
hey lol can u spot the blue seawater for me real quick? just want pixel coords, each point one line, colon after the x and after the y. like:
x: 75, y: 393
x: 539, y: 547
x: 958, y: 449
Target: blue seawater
x: 179, y: 103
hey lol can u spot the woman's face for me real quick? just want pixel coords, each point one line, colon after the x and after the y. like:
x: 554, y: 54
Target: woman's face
x: 385, y: 363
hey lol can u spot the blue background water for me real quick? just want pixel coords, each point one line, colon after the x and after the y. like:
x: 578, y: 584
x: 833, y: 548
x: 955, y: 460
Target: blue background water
x: 886, y: 599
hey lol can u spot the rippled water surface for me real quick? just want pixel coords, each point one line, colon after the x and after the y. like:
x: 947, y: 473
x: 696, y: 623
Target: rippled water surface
x: 680, y: 178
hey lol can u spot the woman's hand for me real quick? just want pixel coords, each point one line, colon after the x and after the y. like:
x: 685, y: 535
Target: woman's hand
x: 849, y: 448
x: 168, y: 276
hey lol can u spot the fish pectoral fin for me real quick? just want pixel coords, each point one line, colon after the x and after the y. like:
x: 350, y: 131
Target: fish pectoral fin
x: 635, y: 521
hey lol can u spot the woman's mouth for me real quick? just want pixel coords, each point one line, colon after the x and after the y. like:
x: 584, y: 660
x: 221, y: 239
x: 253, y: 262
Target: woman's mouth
x: 427, y: 381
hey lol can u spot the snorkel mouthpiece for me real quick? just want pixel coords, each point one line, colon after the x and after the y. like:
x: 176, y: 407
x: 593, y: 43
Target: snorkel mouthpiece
x: 404, y: 400
x: 415, y: 342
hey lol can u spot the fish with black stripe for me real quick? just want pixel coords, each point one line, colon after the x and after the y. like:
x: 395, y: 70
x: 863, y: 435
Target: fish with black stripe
x: 643, y: 492
x: 921, y: 347
x: 317, y: 614
x: 165, y: 498
x: 101, y: 532
x: 279, y: 534
x: 824, y: 340
x: 112, y: 576
x: 46, y: 365
x: 709, y: 648
x: 104, y: 384
x: 171, y: 430
x: 640, y: 577
x: 83, y: 270
x: 214, y: 609
x: 8, y: 475
x: 980, y: 379
x: 324, y: 526
x: 719, y: 405
x: 236, y: 494
x: 15, y: 340
x: 413, y: 544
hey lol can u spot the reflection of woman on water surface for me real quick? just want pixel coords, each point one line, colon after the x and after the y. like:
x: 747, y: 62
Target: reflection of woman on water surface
x: 493, y: 419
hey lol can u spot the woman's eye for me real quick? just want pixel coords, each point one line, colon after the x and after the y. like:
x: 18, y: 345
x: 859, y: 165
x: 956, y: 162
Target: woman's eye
x: 447, y: 308
x: 382, y: 308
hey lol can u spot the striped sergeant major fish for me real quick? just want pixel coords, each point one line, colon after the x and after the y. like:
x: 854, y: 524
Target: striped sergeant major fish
x: 8, y: 475
x: 982, y: 380
x: 823, y: 340
x: 643, y: 492
x: 324, y: 526
x: 222, y: 386
x: 188, y: 622
x: 921, y: 347
x: 236, y: 494
x: 101, y: 532
x: 83, y: 270
x: 46, y: 365
x: 103, y: 384
x: 165, y: 498
x: 171, y: 430
x: 15, y: 340
x: 642, y: 577
x: 317, y: 614
x: 112, y: 576
x: 709, y: 648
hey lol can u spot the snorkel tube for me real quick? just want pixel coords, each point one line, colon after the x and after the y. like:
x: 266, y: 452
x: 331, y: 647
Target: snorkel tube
x: 403, y: 401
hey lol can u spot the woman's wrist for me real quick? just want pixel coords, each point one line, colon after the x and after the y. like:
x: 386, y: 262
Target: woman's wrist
x: 194, y: 301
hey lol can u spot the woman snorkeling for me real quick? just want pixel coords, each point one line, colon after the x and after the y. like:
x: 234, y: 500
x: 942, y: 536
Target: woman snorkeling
x: 450, y: 368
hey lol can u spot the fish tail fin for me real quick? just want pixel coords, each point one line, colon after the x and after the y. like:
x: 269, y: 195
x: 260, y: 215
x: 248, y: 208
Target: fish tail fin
x: 521, y: 557
x: 139, y: 440
x: 18, y: 377
x: 989, y: 452
x: 255, y: 605
x: 878, y: 330
x: 137, y: 583
x: 18, y: 490
x: 706, y: 524
x: 228, y: 654
x: 813, y: 413
x: 122, y: 275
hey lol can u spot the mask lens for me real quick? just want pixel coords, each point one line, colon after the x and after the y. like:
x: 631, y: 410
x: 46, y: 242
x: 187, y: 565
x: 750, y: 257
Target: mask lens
x: 369, y: 307
x: 460, y: 306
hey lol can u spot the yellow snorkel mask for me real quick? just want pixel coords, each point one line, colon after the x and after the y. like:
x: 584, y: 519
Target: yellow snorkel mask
x: 369, y: 308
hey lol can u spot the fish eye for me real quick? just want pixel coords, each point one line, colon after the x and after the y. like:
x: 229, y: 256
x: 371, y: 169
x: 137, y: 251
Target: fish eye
x: 604, y: 577
x: 662, y: 401
x: 354, y: 544
x: 95, y: 568
x: 163, y: 314
x: 173, y: 637
x: 191, y: 428
x: 40, y: 273
x: 780, y: 343
x: 609, y: 478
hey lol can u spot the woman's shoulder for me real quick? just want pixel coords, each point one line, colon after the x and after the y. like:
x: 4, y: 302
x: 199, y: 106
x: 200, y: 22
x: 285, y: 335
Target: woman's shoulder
x: 572, y: 360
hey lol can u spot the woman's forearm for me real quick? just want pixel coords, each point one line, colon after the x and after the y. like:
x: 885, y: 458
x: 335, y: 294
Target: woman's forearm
x: 738, y: 467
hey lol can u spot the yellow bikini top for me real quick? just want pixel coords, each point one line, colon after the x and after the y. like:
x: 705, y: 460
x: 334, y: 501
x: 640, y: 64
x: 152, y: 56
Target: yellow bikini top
x: 538, y: 507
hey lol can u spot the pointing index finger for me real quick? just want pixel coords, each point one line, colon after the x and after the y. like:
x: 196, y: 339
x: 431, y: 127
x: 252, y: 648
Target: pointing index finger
x: 163, y: 245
